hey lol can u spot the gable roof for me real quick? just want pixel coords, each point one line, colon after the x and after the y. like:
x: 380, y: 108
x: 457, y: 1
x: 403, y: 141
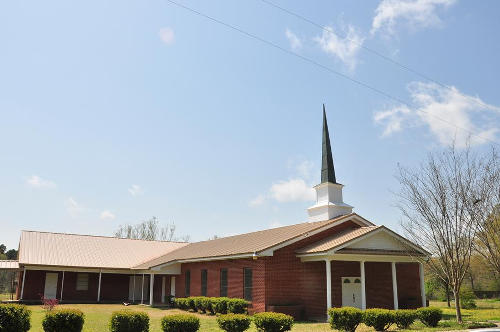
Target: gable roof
x: 71, y: 250
x: 348, y: 237
x: 336, y: 240
x: 9, y: 265
x: 247, y: 244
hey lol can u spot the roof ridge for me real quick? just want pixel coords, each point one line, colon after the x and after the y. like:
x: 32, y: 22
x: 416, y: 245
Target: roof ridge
x: 101, y: 236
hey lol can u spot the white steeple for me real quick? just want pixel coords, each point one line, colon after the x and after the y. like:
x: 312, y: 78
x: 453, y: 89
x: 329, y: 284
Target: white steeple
x: 329, y: 202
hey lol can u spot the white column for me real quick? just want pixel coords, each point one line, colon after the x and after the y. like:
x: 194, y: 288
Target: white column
x: 99, y: 287
x: 62, y: 286
x: 328, y: 284
x: 363, y: 290
x: 163, y: 281
x: 22, y: 286
x: 133, y: 292
x: 142, y: 290
x: 172, y: 285
x: 151, y: 284
x: 422, y: 284
x: 394, y: 286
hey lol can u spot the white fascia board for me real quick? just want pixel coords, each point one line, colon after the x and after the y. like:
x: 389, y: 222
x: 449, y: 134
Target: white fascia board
x: 360, y: 258
x: 86, y: 269
x: 193, y: 260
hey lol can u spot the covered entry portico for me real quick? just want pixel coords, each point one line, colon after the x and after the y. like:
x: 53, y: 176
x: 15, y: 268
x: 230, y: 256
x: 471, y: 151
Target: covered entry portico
x: 369, y: 267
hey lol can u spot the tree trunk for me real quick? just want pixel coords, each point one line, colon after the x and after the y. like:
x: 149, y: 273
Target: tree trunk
x: 471, y: 281
x: 447, y: 290
x: 456, y: 293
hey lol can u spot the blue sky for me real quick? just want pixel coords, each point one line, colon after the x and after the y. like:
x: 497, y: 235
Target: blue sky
x: 115, y: 111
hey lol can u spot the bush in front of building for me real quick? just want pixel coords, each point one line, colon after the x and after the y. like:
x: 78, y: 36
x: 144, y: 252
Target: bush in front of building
x: 379, y: 319
x: 67, y: 320
x: 14, y: 318
x: 404, y: 318
x: 233, y: 322
x: 345, y: 319
x: 181, y: 303
x: 272, y: 322
x: 219, y: 305
x: 129, y: 321
x: 430, y: 316
x: 180, y: 323
x: 198, y: 303
x: 237, y: 306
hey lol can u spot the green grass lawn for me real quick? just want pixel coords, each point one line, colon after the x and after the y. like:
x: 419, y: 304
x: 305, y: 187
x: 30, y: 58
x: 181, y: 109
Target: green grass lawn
x: 5, y: 296
x: 97, y: 317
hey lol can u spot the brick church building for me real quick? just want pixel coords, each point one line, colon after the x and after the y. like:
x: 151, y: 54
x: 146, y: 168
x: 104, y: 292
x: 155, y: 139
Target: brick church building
x: 335, y: 259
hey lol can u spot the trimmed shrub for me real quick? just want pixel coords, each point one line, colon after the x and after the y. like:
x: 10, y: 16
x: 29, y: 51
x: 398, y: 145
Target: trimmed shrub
x: 206, y: 304
x: 180, y: 323
x: 430, y: 316
x: 237, y: 306
x: 64, y: 320
x: 404, y: 318
x: 14, y: 318
x: 219, y: 304
x: 233, y: 322
x: 379, y: 319
x: 129, y: 321
x: 272, y: 322
x: 198, y: 303
x: 181, y: 303
x: 345, y: 318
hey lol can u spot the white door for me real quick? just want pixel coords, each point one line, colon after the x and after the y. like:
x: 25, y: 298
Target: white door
x: 50, y: 291
x: 351, y: 292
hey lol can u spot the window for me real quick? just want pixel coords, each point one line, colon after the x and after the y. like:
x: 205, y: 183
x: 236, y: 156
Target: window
x: 347, y: 281
x: 82, y: 281
x: 247, y: 284
x: 357, y: 281
x: 203, y: 282
x: 223, y: 282
x: 187, y: 280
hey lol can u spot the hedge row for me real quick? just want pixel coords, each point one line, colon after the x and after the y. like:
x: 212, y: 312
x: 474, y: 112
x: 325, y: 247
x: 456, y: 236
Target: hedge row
x: 212, y: 305
x: 348, y: 319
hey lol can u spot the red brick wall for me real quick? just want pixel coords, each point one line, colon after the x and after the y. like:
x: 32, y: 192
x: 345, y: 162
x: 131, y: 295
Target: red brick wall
x: 235, y: 279
x: 408, y: 279
x: 114, y: 287
x: 378, y: 278
x: 289, y: 281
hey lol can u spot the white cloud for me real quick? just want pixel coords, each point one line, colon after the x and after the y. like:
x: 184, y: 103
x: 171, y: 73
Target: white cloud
x: 305, y: 168
x: 414, y: 13
x: 135, y: 190
x: 73, y: 207
x: 37, y: 182
x: 257, y: 201
x: 167, y: 35
x: 433, y: 104
x: 295, y: 42
x: 292, y: 190
x: 343, y: 48
x: 107, y: 215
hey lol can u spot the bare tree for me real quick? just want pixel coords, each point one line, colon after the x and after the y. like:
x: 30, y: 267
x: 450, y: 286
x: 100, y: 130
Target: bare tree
x: 488, y: 239
x: 150, y: 230
x: 443, y: 203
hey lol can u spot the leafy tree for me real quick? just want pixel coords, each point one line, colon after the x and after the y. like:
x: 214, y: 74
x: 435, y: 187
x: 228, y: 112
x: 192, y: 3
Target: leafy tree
x: 488, y: 239
x: 2, y: 248
x: 11, y: 254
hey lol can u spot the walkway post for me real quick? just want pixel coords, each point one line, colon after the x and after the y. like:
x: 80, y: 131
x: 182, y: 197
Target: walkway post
x: 328, y: 284
x: 62, y: 286
x: 22, y: 286
x: 363, y: 291
x: 142, y: 290
x: 99, y: 287
x: 133, y: 292
x: 172, y: 285
x: 394, y: 285
x: 151, y: 284
x: 422, y: 284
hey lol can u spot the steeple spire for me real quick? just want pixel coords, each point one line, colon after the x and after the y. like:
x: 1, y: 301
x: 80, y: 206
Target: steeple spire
x: 329, y: 201
x: 327, y: 168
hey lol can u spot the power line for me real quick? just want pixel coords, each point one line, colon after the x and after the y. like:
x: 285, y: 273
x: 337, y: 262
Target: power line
x: 331, y: 70
x: 372, y: 51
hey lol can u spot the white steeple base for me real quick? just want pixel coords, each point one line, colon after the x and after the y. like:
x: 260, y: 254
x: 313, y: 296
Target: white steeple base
x: 329, y: 202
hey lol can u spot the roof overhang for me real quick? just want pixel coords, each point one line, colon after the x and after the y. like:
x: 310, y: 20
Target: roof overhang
x: 9, y: 265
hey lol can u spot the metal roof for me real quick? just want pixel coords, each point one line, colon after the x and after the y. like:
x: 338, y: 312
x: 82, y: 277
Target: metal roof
x: 9, y: 265
x: 71, y: 250
x: 327, y: 167
x: 248, y: 243
x: 337, y: 240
